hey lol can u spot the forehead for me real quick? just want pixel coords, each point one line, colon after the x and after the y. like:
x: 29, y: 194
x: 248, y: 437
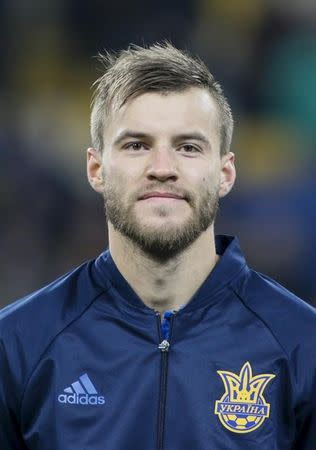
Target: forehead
x: 167, y: 113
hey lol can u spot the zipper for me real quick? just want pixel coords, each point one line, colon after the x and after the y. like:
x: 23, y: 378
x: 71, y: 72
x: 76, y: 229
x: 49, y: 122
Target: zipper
x: 164, y: 330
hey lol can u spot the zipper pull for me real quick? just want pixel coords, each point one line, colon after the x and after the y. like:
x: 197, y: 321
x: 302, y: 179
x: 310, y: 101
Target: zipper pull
x: 164, y: 346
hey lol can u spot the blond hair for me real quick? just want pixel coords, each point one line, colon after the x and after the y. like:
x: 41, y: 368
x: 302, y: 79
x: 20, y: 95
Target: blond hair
x: 159, y: 68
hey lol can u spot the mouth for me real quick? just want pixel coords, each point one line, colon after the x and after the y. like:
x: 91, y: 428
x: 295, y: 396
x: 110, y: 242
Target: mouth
x: 161, y: 196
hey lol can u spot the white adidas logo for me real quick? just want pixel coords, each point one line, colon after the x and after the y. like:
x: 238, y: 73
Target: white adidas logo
x: 81, y: 392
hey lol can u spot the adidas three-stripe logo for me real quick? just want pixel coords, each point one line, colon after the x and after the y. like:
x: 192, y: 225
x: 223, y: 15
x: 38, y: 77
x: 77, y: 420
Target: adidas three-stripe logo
x: 81, y: 392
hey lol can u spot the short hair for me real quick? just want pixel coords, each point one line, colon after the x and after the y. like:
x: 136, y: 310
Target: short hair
x: 160, y: 68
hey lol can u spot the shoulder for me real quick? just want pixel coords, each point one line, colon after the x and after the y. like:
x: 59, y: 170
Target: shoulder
x: 290, y: 319
x: 67, y: 295
x: 28, y: 326
x: 291, y: 322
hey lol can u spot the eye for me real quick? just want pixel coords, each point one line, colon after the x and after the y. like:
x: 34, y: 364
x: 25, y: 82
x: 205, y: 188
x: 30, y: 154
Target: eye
x: 189, y: 148
x: 134, y: 146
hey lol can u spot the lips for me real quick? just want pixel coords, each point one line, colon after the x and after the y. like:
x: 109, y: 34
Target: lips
x: 161, y: 194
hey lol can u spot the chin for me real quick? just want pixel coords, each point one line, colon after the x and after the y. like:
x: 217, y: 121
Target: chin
x: 163, y: 224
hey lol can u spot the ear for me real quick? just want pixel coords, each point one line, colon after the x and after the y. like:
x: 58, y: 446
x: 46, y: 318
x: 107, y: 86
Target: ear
x: 94, y: 169
x: 228, y: 174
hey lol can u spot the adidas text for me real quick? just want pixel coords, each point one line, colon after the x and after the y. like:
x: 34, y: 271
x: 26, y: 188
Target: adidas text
x: 81, y: 399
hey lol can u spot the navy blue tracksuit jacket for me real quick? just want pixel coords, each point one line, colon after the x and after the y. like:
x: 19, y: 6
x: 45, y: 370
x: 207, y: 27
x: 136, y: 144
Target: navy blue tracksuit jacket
x: 85, y: 365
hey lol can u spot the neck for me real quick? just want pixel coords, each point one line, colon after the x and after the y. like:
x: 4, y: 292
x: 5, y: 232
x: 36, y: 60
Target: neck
x: 169, y: 285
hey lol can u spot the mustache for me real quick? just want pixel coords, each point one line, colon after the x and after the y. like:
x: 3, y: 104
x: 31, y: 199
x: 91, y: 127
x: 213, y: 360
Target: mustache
x: 170, y: 190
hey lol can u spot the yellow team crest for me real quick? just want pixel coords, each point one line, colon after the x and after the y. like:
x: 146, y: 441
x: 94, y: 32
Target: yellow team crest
x: 242, y: 408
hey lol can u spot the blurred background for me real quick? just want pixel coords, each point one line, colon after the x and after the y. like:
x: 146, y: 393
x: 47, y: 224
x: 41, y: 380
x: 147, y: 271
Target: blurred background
x: 264, y: 54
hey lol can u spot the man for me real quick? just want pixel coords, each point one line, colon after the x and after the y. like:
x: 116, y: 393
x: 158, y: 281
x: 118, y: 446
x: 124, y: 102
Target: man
x: 167, y: 340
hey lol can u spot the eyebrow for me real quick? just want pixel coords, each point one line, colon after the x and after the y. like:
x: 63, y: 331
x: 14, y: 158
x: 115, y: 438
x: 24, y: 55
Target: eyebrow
x: 195, y: 136
x: 130, y: 134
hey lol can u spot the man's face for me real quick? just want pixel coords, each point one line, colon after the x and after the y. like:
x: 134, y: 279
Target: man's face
x: 158, y: 145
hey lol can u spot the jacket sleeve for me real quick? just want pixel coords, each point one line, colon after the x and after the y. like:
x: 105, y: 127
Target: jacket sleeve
x: 10, y: 435
x: 306, y: 426
x: 306, y: 407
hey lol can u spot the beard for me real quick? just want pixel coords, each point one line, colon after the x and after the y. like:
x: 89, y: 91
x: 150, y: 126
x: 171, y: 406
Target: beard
x: 166, y: 241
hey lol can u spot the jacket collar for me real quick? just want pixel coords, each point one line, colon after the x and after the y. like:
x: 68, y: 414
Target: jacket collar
x: 231, y: 263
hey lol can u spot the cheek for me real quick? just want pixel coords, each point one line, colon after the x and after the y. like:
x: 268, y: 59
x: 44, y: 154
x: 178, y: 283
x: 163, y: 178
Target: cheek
x: 210, y: 182
x: 119, y: 182
x: 122, y: 169
x: 113, y: 173
x: 207, y: 177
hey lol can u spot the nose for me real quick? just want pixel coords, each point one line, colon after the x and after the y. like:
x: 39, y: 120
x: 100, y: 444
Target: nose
x: 162, y: 164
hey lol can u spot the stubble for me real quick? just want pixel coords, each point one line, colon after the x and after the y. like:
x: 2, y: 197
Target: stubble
x: 168, y: 240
